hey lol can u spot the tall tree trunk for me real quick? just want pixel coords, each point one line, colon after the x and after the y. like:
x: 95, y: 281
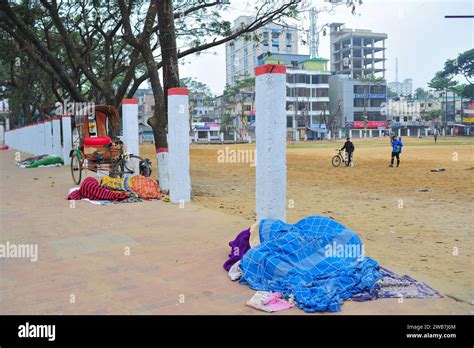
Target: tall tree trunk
x: 169, y: 57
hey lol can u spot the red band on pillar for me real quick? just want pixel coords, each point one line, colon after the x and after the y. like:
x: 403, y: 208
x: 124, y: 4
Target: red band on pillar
x: 270, y: 69
x: 178, y: 91
x: 129, y: 101
x: 161, y: 149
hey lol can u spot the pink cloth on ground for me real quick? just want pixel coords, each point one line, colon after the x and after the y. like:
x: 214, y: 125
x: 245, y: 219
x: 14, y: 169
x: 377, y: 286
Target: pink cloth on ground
x: 276, y: 303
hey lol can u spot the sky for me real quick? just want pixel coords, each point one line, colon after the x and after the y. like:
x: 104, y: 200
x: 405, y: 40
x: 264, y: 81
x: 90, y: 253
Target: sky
x: 418, y: 35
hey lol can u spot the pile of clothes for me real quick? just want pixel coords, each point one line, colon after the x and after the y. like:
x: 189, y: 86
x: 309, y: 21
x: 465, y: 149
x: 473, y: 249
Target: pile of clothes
x: 316, y: 264
x: 41, y: 161
x: 112, y: 190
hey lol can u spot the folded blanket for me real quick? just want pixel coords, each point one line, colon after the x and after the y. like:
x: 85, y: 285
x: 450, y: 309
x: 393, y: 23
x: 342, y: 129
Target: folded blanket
x: 317, y: 261
x: 91, y: 189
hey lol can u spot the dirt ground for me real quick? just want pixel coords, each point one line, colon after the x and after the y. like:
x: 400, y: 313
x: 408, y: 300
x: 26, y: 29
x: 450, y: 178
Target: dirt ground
x: 428, y: 235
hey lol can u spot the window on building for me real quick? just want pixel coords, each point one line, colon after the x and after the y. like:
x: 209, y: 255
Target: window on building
x: 290, y: 78
x: 322, y: 92
x: 377, y: 89
x: 319, y: 106
x: 359, y: 89
x: 300, y: 78
x: 247, y: 107
x: 359, y: 102
x: 275, y: 35
x: 289, y: 121
x: 288, y: 36
x: 315, y: 79
x: 376, y: 103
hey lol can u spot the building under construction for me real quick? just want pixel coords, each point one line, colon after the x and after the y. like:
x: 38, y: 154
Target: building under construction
x: 357, y: 52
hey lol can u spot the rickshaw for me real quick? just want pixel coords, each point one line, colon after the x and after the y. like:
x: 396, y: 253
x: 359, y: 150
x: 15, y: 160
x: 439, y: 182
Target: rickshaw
x: 98, y: 148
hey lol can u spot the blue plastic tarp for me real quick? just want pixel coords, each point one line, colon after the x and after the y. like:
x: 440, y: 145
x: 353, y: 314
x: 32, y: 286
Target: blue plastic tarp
x: 317, y: 261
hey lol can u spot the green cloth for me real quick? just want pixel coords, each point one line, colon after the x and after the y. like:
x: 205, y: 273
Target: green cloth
x: 46, y: 162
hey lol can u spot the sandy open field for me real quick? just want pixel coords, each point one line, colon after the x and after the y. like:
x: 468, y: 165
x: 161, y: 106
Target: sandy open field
x: 428, y: 235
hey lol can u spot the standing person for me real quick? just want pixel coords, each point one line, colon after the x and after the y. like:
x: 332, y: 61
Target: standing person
x: 435, y: 135
x: 349, y: 147
x: 396, y: 149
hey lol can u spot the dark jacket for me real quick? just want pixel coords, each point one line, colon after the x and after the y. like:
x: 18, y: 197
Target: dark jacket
x: 348, y: 146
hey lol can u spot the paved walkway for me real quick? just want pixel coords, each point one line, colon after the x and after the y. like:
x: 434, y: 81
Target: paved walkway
x: 174, y: 264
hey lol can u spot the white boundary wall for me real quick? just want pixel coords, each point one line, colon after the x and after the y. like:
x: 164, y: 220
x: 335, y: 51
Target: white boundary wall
x: 270, y: 131
x: 43, y: 138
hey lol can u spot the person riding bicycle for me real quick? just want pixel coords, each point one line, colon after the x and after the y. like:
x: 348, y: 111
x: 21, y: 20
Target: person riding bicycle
x: 349, y: 147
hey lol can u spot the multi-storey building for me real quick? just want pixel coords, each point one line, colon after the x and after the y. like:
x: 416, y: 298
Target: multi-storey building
x: 404, y: 88
x: 357, y: 53
x: 241, y: 54
x: 358, y: 105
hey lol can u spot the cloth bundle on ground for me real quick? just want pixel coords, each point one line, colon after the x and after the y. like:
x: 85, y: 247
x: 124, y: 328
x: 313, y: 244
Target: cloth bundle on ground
x: 318, y: 262
x: 134, y: 186
x: 48, y: 161
x: 269, y: 302
x: 91, y: 189
x: 30, y: 160
x: 238, y: 247
x: 394, y: 285
x: 294, y: 260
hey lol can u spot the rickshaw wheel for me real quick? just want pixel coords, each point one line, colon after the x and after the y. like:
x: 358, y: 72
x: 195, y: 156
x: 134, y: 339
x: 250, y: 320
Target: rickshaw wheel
x: 76, y: 169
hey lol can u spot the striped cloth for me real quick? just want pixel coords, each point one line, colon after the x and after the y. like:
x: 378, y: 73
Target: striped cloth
x: 90, y: 189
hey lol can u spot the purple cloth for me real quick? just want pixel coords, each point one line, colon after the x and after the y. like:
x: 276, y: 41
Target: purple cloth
x: 395, y: 286
x: 238, y: 247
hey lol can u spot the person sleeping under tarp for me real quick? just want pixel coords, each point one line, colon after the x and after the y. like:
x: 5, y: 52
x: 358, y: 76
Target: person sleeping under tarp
x: 317, y: 262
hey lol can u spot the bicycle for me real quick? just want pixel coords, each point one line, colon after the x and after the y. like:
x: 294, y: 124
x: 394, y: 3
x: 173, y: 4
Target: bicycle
x: 339, y: 158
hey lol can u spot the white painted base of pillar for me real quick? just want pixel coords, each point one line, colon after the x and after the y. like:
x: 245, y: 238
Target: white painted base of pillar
x: 163, y: 171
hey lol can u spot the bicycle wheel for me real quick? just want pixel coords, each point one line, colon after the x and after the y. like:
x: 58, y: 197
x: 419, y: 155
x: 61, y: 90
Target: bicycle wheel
x: 76, y: 169
x: 134, y: 165
x: 336, y: 161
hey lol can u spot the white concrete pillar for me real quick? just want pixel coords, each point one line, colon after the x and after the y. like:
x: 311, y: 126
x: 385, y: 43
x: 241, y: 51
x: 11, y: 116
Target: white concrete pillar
x: 235, y: 136
x: 57, y: 150
x: 271, y: 141
x: 452, y: 131
x: 208, y: 136
x: 67, y: 139
x: 370, y: 133
x: 360, y: 133
x: 444, y: 132
x: 426, y: 132
x: 399, y: 132
x: 130, y: 129
x: 196, y: 136
x: 339, y: 133
x: 178, y: 128
x: 408, y: 132
x: 163, y: 167
x: 221, y: 135
x: 48, y: 136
